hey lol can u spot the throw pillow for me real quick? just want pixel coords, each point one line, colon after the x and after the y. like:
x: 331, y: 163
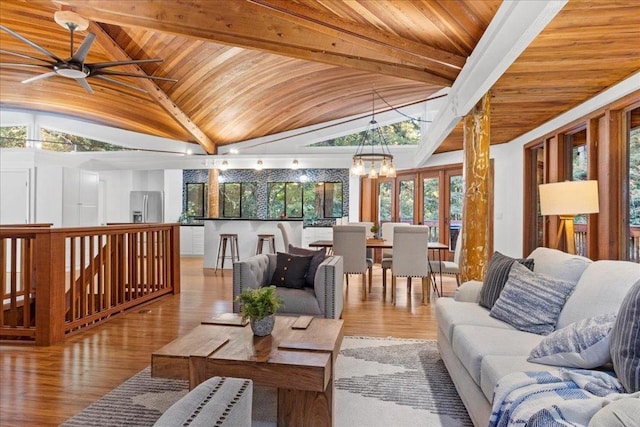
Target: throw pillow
x: 318, y: 257
x: 531, y: 302
x: 496, y: 276
x: 583, y: 344
x: 625, y: 341
x: 290, y: 271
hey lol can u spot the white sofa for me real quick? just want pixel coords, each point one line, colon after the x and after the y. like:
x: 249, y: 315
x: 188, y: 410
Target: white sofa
x: 478, y: 349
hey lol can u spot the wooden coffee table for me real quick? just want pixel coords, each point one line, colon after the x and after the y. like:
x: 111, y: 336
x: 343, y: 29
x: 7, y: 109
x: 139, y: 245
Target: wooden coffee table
x: 300, y: 363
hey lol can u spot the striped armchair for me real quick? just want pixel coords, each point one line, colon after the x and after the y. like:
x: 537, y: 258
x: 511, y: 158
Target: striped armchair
x: 323, y: 300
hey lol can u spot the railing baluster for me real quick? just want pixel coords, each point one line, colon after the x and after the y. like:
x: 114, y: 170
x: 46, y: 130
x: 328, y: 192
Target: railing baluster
x: 13, y: 307
x: 3, y: 278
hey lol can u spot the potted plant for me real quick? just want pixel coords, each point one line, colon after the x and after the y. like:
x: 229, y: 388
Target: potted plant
x: 259, y: 306
x: 374, y: 230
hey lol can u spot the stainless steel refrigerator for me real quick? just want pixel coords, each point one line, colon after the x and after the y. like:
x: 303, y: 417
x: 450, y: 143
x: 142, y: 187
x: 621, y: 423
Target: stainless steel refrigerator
x: 146, y: 206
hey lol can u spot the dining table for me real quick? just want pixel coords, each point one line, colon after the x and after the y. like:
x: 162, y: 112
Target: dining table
x: 434, y: 247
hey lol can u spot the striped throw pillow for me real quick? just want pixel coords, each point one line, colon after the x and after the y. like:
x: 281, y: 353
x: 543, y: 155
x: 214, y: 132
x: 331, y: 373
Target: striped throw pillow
x: 496, y: 276
x: 531, y: 302
x: 625, y: 341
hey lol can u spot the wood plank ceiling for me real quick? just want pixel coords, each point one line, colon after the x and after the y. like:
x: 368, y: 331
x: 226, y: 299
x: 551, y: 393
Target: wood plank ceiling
x: 251, y: 68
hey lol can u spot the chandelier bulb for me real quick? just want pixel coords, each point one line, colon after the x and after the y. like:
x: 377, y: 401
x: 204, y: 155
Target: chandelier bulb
x: 372, y: 172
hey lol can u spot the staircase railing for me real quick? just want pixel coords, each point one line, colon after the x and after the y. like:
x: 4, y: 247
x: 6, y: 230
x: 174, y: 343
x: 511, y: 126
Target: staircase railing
x: 57, y: 281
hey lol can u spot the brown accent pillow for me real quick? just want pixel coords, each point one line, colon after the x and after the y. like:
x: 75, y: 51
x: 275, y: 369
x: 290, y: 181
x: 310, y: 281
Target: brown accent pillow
x: 290, y: 271
x: 318, y: 257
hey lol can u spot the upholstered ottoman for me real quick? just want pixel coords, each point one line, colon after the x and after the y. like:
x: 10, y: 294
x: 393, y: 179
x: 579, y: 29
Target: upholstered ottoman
x: 216, y: 402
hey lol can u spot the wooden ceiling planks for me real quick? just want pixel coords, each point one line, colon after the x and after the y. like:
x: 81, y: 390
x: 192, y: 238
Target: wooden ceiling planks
x: 251, y: 68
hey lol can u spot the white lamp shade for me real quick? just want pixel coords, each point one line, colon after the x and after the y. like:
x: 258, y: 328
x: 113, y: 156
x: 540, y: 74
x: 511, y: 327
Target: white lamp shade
x: 569, y: 198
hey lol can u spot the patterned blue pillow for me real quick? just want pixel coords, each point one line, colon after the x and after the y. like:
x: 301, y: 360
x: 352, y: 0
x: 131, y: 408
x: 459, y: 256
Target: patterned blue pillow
x: 625, y: 341
x: 531, y: 302
x: 582, y: 344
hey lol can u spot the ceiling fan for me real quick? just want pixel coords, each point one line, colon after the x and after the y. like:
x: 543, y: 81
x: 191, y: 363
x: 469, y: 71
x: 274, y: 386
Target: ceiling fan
x: 74, y: 67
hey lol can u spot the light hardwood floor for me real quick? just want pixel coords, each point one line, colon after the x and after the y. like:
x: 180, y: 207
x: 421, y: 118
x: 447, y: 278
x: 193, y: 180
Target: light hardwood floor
x: 44, y: 386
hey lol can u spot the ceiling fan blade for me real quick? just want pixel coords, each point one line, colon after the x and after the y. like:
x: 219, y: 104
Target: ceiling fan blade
x: 18, y: 64
x: 30, y: 43
x: 118, y: 73
x: 20, y: 55
x: 101, y: 65
x: 85, y: 85
x: 82, y: 51
x: 40, y: 77
x: 109, y: 79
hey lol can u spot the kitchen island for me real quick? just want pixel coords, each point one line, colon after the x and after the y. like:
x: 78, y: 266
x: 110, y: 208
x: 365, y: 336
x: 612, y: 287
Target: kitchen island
x: 247, y: 231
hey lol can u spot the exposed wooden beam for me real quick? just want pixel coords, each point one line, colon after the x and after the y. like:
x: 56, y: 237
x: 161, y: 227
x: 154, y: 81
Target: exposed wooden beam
x: 154, y: 91
x: 402, y: 48
x: 251, y: 26
x: 494, y: 54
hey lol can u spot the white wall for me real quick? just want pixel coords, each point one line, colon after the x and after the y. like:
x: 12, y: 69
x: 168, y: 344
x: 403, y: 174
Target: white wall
x: 172, y: 194
x: 48, y: 200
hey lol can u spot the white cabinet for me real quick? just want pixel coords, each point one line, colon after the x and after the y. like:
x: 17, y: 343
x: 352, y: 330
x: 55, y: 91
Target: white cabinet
x: 191, y: 240
x: 310, y: 234
x: 79, y: 198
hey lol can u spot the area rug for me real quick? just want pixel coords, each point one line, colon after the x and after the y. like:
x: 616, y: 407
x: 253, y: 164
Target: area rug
x: 379, y: 382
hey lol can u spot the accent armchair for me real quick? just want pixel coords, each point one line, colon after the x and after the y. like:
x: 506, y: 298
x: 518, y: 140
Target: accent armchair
x: 323, y: 300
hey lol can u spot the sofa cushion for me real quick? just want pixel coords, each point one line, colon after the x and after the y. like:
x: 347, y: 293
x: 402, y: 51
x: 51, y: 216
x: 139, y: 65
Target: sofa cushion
x: 472, y: 343
x: 450, y: 314
x: 558, y: 264
x: 298, y: 301
x: 495, y: 367
x: 583, y: 344
x: 625, y: 341
x: 531, y: 301
x: 291, y: 270
x: 497, y: 274
x: 317, y: 258
x: 600, y: 290
x: 619, y: 413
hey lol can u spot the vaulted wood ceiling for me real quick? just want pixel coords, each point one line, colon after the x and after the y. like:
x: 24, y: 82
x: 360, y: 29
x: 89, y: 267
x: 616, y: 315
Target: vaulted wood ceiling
x: 251, y: 68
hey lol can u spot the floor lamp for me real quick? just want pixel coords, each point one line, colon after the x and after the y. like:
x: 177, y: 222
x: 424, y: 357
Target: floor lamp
x: 568, y: 199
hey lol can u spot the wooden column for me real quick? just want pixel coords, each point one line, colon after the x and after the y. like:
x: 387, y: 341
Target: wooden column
x: 476, y: 210
x: 214, y: 198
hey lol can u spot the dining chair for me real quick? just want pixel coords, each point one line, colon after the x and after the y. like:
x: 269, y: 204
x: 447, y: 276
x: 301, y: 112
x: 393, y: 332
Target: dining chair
x: 387, y: 254
x: 350, y: 241
x: 287, y: 235
x: 367, y: 226
x: 410, y: 258
x: 449, y: 267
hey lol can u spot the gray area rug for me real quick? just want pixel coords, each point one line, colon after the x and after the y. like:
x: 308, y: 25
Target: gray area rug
x: 379, y: 382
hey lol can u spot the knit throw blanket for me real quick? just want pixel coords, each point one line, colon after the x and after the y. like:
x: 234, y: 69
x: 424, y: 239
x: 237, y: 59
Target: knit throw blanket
x: 563, y: 397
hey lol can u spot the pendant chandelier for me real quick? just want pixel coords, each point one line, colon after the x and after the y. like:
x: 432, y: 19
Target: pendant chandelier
x: 373, y: 150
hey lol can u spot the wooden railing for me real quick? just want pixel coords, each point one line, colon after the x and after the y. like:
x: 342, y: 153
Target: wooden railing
x: 57, y: 281
x: 634, y: 241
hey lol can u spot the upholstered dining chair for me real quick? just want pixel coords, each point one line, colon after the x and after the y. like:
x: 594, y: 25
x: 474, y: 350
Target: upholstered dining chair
x: 367, y: 226
x: 387, y: 254
x: 287, y: 235
x: 410, y: 258
x: 350, y: 242
x: 449, y: 267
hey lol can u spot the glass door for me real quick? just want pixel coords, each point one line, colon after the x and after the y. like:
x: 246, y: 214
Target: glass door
x: 631, y: 226
x: 431, y: 204
x: 454, y: 192
x: 406, y: 199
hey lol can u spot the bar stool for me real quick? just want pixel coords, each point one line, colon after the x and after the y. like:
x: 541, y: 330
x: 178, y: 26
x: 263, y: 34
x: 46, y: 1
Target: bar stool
x: 232, y: 239
x: 262, y: 238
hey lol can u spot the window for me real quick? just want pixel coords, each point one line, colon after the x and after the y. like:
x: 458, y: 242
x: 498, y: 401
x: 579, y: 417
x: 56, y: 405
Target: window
x: 285, y: 199
x: 431, y: 206
x: 322, y: 200
x: 406, y: 200
x: 60, y: 141
x: 385, y: 198
x: 402, y: 133
x: 13, y: 136
x: 196, y: 200
x: 238, y: 200
x: 632, y: 229
x: 311, y: 200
